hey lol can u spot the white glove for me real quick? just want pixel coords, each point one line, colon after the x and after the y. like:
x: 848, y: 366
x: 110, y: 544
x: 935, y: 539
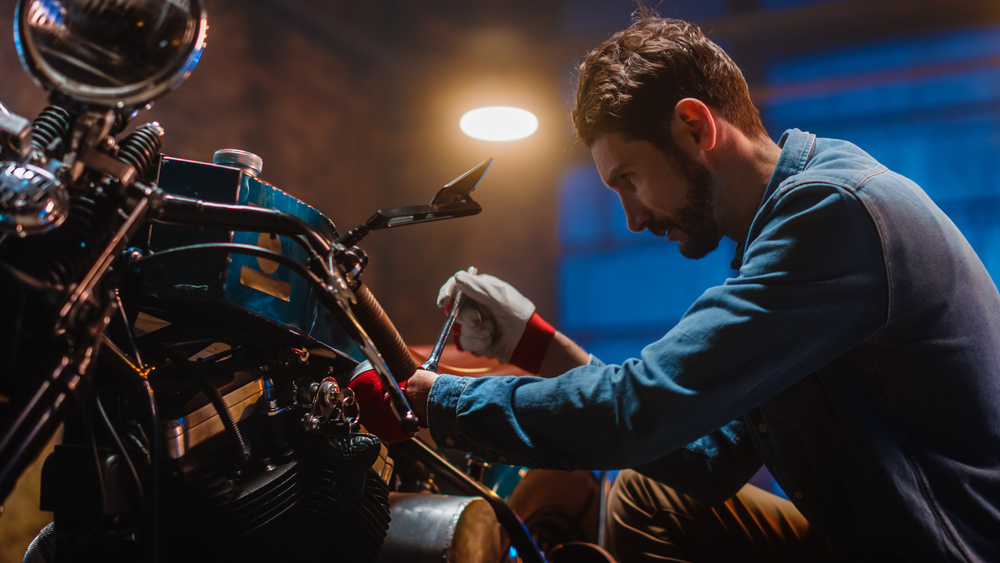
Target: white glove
x: 494, y: 315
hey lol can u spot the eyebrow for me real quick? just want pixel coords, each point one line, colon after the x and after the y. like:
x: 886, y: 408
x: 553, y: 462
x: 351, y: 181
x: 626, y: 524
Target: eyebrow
x: 614, y: 174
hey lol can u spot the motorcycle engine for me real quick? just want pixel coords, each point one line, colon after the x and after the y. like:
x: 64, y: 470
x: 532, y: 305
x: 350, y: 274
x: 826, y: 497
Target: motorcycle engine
x: 298, y: 495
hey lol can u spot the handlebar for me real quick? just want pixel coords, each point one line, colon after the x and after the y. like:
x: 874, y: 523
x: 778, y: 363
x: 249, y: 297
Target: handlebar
x: 198, y: 213
x: 384, y: 334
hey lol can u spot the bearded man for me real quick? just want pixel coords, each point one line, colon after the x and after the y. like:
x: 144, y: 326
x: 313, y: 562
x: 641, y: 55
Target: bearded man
x: 855, y: 355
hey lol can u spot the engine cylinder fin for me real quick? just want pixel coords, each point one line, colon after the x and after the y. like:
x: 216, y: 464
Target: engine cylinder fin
x: 287, y: 514
x: 253, y: 518
x: 362, y: 526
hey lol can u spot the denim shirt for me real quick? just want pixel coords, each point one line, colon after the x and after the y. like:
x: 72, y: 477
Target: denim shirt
x: 856, y: 355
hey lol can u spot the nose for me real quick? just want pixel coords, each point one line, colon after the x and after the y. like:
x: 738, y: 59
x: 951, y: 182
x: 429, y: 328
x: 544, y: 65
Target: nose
x: 636, y: 216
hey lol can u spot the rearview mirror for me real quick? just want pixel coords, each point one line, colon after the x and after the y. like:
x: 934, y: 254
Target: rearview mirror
x: 452, y: 201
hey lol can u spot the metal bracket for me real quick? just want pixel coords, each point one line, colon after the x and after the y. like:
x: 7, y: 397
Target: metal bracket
x: 88, y: 130
x: 19, y: 128
x: 331, y: 404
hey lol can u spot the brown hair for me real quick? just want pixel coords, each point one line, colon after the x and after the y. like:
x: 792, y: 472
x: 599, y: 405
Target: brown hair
x: 631, y: 82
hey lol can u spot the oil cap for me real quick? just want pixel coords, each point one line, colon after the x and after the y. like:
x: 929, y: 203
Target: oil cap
x: 246, y: 161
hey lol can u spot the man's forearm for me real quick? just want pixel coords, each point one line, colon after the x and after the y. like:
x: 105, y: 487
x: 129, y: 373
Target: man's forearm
x: 561, y: 356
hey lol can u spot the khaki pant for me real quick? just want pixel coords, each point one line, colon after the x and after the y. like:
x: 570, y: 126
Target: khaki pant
x: 649, y: 521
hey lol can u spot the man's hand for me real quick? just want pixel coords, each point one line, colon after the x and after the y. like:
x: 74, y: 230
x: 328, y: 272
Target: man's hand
x: 374, y: 408
x: 418, y: 386
x: 497, y: 321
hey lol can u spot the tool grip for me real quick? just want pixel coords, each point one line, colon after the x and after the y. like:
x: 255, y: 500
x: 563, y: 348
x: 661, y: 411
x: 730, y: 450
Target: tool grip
x: 383, y: 334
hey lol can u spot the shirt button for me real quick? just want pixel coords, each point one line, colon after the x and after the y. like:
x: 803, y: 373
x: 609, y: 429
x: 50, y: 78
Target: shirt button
x: 762, y: 428
x: 450, y: 441
x: 799, y: 495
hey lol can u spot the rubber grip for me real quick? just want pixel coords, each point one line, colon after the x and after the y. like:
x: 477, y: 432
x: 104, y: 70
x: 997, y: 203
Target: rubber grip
x: 383, y: 334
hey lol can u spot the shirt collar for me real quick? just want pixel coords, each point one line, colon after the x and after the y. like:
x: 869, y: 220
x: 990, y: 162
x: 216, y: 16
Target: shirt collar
x: 796, y: 149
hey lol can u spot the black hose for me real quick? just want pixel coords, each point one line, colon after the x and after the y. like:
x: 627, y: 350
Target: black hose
x: 102, y: 493
x: 128, y: 461
x: 215, y: 248
x: 241, y: 453
x: 141, y: 389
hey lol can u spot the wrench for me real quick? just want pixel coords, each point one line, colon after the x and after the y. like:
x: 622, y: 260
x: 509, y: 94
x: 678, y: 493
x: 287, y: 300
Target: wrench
x: 456, y: 307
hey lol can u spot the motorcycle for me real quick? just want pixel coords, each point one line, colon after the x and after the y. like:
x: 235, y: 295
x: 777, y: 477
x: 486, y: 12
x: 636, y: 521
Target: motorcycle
x: 192, y: 328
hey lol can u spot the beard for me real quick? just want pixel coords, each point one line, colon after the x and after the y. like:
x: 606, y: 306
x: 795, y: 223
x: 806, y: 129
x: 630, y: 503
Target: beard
x: 697, y: 218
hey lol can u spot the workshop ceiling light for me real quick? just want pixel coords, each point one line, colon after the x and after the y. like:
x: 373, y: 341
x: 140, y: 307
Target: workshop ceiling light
x: 498, y: 123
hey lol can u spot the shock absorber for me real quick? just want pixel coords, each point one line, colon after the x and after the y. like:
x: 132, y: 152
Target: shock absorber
x: 50, y: 125
x: 141, y: 147
x: 58, y: 257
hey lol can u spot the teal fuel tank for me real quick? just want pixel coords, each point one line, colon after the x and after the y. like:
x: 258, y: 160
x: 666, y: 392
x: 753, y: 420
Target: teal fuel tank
x: 248, y: 284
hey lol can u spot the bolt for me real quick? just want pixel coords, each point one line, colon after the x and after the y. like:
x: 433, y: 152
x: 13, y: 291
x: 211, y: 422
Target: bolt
x: 330, y: 392
x: 133, y: 254
x: 310, y: 423
x: 303, y: 355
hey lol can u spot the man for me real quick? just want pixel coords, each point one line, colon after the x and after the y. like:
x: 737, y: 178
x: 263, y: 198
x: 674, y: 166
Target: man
x: 856, y: 353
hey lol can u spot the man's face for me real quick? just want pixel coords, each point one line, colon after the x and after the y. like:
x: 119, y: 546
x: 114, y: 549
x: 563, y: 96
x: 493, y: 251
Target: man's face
x: 667, y: 196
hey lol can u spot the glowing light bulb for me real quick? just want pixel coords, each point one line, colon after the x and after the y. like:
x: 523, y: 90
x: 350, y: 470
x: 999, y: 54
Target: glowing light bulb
x: 498, y: 123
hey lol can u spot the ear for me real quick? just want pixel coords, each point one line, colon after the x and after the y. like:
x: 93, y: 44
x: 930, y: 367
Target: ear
x: 694, y: 125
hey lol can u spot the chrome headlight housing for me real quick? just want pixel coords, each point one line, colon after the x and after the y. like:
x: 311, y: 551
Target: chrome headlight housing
x: 110, y: 53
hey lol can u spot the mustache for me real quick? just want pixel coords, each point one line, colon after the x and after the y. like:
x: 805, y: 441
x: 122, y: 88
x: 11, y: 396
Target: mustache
x: 660, y: 227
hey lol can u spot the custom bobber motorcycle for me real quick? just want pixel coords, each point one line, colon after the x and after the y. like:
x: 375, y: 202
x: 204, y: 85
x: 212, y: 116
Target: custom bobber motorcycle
x: 193, y: 329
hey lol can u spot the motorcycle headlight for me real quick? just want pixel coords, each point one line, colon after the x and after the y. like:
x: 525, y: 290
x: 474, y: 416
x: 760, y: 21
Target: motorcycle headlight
x: 114, y: 53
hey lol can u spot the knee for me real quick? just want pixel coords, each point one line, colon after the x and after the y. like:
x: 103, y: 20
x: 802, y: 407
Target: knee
x: 623, y: 513
x: 637, y: 502
x: 632, y: 502
x: 643, y: 518
x: 626, y: 492
x: 635, y: 495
